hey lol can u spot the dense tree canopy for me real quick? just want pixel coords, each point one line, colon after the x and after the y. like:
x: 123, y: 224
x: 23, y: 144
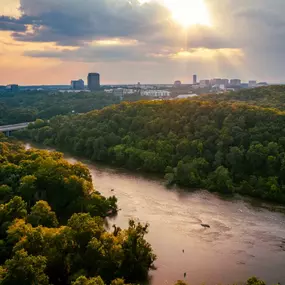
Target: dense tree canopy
x: 40, y: 175
x: 269, y: 97
x: 31, y: 105
x: 222, y: 146
x: 52, y: 228
x: 82, y: 247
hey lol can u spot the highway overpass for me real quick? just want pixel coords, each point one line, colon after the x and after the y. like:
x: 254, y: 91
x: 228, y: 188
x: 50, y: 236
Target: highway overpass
x: 7, y: 129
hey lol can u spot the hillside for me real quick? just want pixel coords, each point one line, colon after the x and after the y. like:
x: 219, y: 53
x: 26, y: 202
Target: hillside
x: 225, y: 147
x: 31, y: 105
x: 268, y: 97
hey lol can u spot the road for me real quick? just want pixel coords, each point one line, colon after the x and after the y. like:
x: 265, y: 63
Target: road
x: 15, y: 127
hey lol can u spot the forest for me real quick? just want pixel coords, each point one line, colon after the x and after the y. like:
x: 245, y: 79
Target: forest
x: 31, y: 105
x: 53, y: 228
x: 269, y: 97
x: 223, y: 146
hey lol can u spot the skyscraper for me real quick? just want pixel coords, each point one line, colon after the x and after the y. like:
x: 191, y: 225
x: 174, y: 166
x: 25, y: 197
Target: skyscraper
x: 93, y: 81
x: 194, y: 79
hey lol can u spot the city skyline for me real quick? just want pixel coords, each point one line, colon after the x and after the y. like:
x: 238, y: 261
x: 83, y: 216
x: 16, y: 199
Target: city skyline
x: 148, y: 41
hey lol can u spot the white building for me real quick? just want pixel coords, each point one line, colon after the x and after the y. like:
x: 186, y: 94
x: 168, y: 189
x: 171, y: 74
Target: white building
x: 261, y: 84
x: 186, y: 96
x: 121, y: 91
x: 155, y: 93
x: 73, y: 91
x: 129, y: 91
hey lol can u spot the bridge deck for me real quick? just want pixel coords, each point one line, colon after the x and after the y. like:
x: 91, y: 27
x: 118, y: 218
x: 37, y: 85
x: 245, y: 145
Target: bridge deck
x: 15, y: 127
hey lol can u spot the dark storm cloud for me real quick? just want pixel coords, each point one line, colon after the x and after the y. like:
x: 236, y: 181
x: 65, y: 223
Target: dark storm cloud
x: 13, y: 24
x: 73, y: 22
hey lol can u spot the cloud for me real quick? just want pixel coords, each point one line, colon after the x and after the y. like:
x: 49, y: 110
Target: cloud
x: 12, y: 24
x: 69, y: 23
x: 101, y: 51
x: 247, y: 37
x: 73, y: 22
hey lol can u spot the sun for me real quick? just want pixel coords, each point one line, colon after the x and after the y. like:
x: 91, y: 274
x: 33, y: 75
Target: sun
x: 189, y: 12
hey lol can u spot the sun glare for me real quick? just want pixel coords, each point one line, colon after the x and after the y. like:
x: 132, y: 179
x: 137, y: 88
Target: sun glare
x: 189, y: 12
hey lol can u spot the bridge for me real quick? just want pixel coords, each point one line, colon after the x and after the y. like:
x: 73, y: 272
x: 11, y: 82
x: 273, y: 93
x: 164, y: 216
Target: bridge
x: 9, y: 128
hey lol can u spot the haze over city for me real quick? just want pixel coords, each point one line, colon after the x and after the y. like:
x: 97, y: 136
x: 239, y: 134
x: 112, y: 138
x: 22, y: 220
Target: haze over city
x: 51, y: 41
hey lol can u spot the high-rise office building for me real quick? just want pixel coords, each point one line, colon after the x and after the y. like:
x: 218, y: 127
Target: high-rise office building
x: 194, y: 79
x: 93, y: 81
x: 77, y: 84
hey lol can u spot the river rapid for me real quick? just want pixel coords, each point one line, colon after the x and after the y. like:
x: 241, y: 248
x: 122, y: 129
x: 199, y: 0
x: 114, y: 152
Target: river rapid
x: 244, y: 239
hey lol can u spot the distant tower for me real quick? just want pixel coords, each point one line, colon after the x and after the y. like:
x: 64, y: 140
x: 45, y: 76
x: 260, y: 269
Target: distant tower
x: 194, y: 79
x: 93, y: 81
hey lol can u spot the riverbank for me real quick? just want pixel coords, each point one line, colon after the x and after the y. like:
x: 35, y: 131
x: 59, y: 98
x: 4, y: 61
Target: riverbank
x: 256, y: 202
x: 243, y: 240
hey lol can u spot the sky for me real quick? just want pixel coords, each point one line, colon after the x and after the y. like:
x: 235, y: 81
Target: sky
x: 147, y: 41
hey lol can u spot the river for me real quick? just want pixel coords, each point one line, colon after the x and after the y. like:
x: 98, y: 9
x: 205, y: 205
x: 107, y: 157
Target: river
x: 243, y: 239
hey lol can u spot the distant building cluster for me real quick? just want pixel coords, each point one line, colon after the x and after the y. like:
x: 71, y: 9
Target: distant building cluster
x: 224, y: 84
x: 178, y: 90
x: 156, y: 93
x: 219, y: 84
x: 121, y: 92
x: 93, y: 83
x: 10, y: 88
